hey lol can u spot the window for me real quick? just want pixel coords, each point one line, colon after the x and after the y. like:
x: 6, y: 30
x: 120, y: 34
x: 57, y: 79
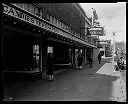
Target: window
x: 20, y: 4
x: 44, y: 13
x: 37, y: 11
x: 31, y: 8
x: 35, y: 56
x: 41, y: 14
x: 48, y: 17
x: 26, y: 6
x: 61, y: 24
x: 58, y: 23
x: 51, y: 19
x: 55, y: 21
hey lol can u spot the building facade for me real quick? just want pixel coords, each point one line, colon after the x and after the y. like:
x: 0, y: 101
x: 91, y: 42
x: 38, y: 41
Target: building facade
x: 30, y: 31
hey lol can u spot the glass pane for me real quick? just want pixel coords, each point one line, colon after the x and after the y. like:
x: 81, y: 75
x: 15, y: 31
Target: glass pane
x: 26, y: 6
x: 35, y: 56
x: 36, y: 11
x: 31, y: 8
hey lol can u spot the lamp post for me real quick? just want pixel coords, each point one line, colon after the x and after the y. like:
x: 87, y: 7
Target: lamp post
x: 113, y: 45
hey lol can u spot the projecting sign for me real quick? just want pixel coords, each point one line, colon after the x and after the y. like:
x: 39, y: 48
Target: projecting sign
x: 97, y: 31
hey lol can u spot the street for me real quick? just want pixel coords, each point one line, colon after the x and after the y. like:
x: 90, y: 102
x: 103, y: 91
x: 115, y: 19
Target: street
x: 99, y: 83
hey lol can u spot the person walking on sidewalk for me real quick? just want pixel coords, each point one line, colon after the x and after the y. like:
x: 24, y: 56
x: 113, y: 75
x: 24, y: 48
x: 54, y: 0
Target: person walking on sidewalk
x: 90, y: 60
x: 50, y: 70
x: 99, y: 58
x: 80, y: 61
x: 122, y: 66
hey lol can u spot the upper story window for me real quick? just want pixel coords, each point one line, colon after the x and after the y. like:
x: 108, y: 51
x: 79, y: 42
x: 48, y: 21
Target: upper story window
x: 48, y: 17
x: 31, y: 8
x: 26, y: 6
x: 44, y: 13
x: 19, y: 4
x: 37, y: 11
x: 58, y: 23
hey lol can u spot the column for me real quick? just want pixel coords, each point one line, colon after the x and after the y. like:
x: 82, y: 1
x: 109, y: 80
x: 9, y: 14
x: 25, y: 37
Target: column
x: 40, y: 57
x: 83, y: 51
x: 44, y: 56
x: 73, y: 56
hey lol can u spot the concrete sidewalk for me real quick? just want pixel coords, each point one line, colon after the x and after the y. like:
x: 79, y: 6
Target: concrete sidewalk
x: 89, y: 84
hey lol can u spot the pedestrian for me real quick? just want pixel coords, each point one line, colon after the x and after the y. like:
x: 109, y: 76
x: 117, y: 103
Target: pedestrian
x: 50, y: 70
x: 122, y: 67
x: 99, y: 58
x: 90, y: 60
x: 118, y: 62
x: 80, y: 61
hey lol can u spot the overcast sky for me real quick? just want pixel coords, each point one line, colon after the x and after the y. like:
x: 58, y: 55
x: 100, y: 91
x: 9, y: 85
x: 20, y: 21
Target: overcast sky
x: 110, y: 15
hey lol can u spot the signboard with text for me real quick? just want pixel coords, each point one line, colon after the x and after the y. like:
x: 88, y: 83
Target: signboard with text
x: 99, y: 31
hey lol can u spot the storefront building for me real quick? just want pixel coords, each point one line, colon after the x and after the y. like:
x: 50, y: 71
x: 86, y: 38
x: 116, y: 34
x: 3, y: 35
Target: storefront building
x: 30, y: 31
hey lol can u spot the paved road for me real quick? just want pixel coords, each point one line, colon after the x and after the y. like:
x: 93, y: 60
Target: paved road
x: 98, y: 83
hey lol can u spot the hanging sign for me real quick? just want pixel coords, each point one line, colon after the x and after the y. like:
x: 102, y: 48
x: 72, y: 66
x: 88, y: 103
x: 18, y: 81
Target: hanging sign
x: 97, y: 31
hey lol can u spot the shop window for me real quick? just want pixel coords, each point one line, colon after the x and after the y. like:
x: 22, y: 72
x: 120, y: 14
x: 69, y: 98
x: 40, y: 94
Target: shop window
x: 35, y: 56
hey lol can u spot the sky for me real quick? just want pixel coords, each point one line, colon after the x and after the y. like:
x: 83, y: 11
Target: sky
x: 110, y: 15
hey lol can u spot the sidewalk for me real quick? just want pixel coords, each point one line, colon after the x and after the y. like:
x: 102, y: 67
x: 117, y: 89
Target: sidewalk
x: 121, y: 95
x: 72, y: 85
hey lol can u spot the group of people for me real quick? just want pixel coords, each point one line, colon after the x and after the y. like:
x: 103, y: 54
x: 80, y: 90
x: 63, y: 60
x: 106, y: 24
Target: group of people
x: 120, y: 63
x: 50, y: 69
